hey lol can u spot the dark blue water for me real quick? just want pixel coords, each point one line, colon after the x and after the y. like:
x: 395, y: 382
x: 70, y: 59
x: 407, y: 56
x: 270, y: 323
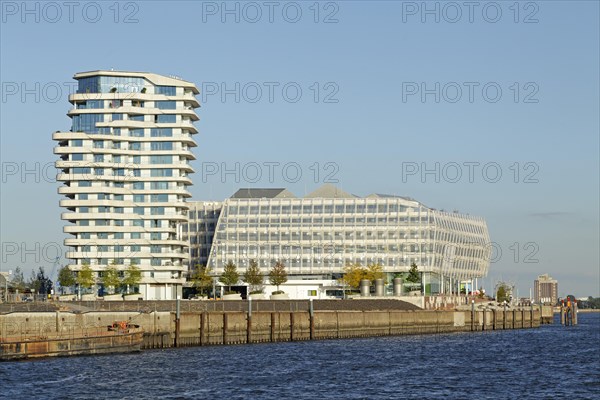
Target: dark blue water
x: 550, y: 362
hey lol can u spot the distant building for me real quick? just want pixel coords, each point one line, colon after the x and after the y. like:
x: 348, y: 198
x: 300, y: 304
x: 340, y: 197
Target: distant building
x: 545, y: 290
x: 317, y: 235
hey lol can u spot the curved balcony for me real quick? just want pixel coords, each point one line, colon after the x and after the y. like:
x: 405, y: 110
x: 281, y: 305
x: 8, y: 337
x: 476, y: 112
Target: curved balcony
x: 62, y: 135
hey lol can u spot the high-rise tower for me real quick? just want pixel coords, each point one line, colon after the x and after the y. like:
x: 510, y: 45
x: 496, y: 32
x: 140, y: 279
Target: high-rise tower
x: 125, y: 169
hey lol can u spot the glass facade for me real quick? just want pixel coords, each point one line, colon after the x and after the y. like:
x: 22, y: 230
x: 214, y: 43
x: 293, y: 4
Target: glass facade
x: 319, y: 236
x: 110, y: 84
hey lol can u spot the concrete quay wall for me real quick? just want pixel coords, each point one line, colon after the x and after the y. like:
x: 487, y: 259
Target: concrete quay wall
x: 163, y: 329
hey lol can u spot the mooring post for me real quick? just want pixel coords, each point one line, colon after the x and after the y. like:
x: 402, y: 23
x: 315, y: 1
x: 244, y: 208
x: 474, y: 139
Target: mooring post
x: 249, y: 322
x: 312, y: 320
x: 58, y: 329
x: 272, y: 327
x: 224, y: 327
x: 472, y: 315
x: 291, y: 326
x: 484, y: 320
x: 531, y: 316
x: 574, y: 312
x: 202, y: 322
x: 177, y: 322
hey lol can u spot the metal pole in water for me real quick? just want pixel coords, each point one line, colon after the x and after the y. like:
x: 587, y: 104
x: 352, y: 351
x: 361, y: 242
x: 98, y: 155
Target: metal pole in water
x: 177, y: 314
x: 472, y: 315
x: 249, y: 322
x: 312, y: 320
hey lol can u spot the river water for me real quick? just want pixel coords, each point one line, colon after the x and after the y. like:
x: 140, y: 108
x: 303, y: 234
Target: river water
x: 549, y: 362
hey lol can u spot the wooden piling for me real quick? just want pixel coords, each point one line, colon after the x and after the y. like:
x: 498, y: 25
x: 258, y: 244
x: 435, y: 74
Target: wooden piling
x: 272, y: 327
x: 202, y: 323
x: 291, y: 327
x: 249, y: 329
x: 224, y: 328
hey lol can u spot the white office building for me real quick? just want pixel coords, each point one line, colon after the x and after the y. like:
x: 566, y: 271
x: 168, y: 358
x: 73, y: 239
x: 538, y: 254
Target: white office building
x: 124, y: 168
x: 317, y: 235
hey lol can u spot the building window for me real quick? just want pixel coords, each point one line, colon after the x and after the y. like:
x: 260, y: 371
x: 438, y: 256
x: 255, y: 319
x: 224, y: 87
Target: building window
x: 166, y: 118
x: 161, y: 132
x: 81, y: 170
x: 161, y: 159
x: 311, y: 293
x: 161, y: 146
x: 159, y: 185
x: 157, y: 211
x: 161, y: 172
x: 166, y: 105
x: 138, y: 132
x: 166, y: 90
x: 86, y: 122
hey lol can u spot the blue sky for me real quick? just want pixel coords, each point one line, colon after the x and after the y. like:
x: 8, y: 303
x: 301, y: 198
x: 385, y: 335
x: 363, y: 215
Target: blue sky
x: 366, y: 126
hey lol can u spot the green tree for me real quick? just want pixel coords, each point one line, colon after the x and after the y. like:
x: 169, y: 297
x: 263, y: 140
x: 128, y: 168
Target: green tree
x: 43, y: 283
x: 230, y: 276
x: 502, y: 294
x: 111, y: 279
x: 278, y: 275
x: 132, y: 277
x: 85, y: 277
x: 201, y: 278
x: 66, y: 278
x: 18, y: 280
x: 353, y: 274
x: 413, y: 274
x: 254, y: 278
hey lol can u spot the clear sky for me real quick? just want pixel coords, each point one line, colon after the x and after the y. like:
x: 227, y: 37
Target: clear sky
x: 371, y: 94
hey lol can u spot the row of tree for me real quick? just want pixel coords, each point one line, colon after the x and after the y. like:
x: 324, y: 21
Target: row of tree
x: 38, y: 282
x: 277, y: 275
x: 112, y: 279
x: 253, y: 277
x: 354, y: 273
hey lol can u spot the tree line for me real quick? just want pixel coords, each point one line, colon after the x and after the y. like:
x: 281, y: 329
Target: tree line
x: 253, y: 277
x: 111, y: 278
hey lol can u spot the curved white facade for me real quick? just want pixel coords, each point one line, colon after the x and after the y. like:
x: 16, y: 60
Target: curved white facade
x: 125, y: 169
x: 318, y: 236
